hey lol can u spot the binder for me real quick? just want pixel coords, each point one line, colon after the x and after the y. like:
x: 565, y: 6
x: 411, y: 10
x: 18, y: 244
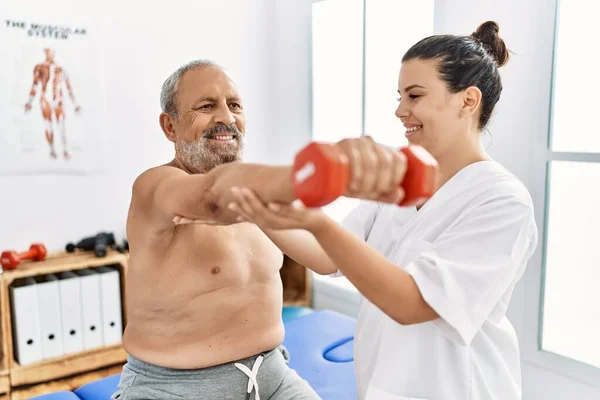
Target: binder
x: 71, y: 310
x: 26, y: 326
x: 91, y: 308
x: 110, y: 292
x: 48, y: 295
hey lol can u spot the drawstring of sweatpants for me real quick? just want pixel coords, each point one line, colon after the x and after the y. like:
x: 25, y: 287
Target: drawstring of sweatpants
x: 252, y: 375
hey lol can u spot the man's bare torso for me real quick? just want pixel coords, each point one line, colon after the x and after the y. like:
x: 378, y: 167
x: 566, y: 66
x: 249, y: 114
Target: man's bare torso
x: 198, y: 296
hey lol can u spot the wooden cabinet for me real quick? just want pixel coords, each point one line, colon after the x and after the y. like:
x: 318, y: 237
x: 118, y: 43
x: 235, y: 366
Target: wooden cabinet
x: 63, y: 372
x: 296, y: 279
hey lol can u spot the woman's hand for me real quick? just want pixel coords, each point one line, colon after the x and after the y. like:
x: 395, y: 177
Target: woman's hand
x: 275, y: 215
x: 376, y: 170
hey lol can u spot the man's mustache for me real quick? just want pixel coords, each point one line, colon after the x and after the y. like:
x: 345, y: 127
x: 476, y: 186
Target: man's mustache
x: 220, y: 129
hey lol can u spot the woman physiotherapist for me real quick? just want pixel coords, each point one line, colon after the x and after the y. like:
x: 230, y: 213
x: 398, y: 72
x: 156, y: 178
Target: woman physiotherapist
x: 437, y: 279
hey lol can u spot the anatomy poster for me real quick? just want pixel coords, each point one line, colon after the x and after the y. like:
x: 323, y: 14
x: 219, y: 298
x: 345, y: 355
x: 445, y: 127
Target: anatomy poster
x: 52, y: 102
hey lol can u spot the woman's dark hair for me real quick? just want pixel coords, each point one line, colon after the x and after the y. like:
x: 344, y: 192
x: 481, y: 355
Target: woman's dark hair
x: 466, y: 61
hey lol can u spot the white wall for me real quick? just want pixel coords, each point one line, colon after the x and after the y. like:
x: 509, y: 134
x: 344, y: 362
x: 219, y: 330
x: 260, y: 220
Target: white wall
x: 519, y: 126
x: 143, y: 42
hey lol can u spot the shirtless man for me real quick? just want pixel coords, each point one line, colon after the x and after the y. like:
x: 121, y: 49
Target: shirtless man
x: 204, y: 300
x: 51, y: 77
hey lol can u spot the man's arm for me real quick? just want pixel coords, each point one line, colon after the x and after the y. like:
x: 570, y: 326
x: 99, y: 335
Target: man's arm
x: 165, y: 192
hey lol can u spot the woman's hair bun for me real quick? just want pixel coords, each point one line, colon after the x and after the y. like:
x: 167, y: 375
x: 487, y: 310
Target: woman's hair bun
x: 487, y: 35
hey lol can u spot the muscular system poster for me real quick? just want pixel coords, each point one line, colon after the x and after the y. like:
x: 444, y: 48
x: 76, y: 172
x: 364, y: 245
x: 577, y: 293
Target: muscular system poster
x: 52, y: 101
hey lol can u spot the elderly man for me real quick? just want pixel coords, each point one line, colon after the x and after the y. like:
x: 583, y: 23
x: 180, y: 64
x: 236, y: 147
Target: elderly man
x: 204, y: 300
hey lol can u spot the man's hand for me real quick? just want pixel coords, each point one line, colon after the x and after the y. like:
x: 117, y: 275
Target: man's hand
x: 27, y: 107
x: 376, y: 170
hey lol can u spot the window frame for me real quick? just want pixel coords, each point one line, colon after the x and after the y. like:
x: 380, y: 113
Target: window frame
x: 542, y: 158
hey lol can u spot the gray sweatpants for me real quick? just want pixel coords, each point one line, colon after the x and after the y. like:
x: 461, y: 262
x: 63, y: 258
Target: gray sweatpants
x: 268, y: 372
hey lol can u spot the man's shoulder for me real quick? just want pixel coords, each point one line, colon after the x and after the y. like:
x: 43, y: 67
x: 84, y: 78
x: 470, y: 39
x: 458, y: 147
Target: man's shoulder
x: 143, y: 194
x: 154, y: 175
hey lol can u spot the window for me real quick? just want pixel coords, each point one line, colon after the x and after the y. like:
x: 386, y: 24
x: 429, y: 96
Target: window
x: 357, y: 47
x: 570, y: 302
x: 337, y: 77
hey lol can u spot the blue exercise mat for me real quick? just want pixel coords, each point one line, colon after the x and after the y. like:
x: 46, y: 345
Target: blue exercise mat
x: 290, y: 312
x: 320, y: 346
x: 62, y: 395
x: 101, y: 389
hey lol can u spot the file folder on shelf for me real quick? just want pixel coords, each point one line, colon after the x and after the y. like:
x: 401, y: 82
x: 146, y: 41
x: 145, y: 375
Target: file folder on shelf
x: 25, y: 321
x: 91, y: 308
x: 110, y: 292
x: 49, y: 305
x: 72, y: 321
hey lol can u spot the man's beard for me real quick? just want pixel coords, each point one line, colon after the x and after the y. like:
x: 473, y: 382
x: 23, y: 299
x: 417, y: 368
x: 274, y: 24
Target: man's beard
x: 205, y: 154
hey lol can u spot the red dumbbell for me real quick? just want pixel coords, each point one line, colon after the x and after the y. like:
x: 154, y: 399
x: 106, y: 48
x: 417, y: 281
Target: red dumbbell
x: 321, y: 174
x: 11, y: 259
x: 421, y: 178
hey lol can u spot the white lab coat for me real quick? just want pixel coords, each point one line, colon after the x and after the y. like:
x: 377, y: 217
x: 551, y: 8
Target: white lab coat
x: 466, y: 249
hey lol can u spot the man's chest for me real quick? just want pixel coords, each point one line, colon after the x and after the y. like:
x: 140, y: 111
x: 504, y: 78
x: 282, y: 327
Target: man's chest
x: 236, y: 248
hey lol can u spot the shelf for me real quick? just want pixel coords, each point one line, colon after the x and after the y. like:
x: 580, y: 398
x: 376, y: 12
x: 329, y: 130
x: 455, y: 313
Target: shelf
x: 30, y: 380
x: 62, y: 262
x: 71, y: 364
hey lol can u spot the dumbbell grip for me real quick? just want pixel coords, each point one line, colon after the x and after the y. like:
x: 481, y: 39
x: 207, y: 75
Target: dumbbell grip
x: 27, y: 255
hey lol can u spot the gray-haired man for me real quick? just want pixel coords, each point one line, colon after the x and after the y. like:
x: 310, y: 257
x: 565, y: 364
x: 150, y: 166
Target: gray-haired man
x: 203, y: 302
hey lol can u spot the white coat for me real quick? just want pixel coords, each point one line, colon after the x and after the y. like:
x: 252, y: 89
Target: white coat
x: 466, y: 248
